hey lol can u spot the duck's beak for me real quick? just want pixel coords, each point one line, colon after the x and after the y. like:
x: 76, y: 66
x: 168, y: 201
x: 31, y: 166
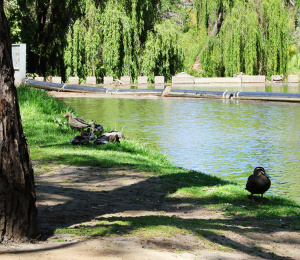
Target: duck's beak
x: 267, y: 175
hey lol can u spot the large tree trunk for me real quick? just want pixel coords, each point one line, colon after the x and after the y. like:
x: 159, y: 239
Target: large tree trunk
x: 18, y: 212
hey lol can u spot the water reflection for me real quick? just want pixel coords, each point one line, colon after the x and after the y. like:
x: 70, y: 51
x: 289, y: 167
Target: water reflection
x: 223, y: 138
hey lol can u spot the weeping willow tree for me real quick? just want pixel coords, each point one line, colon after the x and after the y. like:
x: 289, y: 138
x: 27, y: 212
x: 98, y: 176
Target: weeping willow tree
x: 125, y: 25
x: 250, y: 36
x: 275, y: 25
x: 121, y: 44
x: 162, y: 56
x: 109, y: 38
x: 82, y: 54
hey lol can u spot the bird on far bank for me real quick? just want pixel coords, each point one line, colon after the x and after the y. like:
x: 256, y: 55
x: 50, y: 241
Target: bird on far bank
x: 258, y: 182
x: 76, y: 123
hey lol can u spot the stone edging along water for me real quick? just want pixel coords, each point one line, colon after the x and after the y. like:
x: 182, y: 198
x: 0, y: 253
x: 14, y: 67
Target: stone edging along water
x: 238, y: 95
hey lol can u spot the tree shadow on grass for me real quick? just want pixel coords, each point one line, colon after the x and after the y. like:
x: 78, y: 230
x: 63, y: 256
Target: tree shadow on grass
x: 213, y: 230
x: 74, y: 196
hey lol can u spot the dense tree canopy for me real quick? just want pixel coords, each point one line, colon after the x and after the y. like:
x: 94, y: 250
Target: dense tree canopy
x: 248, y: 36
x: 162, y: 56
x: 133, y: 37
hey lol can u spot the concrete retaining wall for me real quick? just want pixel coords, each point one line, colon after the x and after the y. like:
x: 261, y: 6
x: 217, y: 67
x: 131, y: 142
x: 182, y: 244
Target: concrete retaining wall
x: 108, y: 80
x: 56, y: 80
x: 126, y: 80
x: 293, y: 78
x: 244, y: 80
x: 91, y: 80
x: 73, y: 80
x: 142, y: 80
x: 183, y: 80
x: 218, y: 80
x: 39, y: 78
x: 253, y: 79
x: 159, y: 80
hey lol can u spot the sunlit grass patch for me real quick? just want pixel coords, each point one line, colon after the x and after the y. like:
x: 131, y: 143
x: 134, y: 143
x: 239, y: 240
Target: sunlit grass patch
x: 60, y: 240
x: 148, y: 226
x: 204, y: 233
x: 233, y: 200
x: 96, y: 228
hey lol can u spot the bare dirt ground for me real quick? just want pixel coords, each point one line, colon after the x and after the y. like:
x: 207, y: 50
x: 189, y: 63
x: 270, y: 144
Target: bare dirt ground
x: 69, y: 196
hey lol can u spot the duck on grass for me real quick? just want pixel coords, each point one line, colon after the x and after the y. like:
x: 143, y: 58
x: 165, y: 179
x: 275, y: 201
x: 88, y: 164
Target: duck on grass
x: 87, y: 135
x: 258, y: 182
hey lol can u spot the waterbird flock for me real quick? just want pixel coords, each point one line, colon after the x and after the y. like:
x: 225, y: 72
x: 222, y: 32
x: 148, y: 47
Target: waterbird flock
x: 89, y: 134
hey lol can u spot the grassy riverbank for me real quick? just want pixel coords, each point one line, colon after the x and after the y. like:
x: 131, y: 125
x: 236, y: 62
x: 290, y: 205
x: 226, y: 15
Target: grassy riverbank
x: 49, y: 138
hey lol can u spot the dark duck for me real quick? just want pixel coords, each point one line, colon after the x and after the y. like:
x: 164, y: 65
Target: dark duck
x: 258, y: 182
x: 87, y: 133
x: 81, y: 139
x: 97, y: 129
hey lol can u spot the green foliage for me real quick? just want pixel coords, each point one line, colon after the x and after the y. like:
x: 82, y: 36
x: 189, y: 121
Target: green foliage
x: 241, y: 39
x: 90, y: 37
x: 253, y: 38
x: 12, y: 9
x: 276, y: 36
x: 74, y: 52
x: 293, y: 65
x: 21, y: 21
x: 34, y: 99
x: 111, y: 35
x: 173, y: 10
x: 211, y: 58
x: 162, y: 55
x: 82, y: 53
x: 207, y: 11
x: 42, y: 25
x: 191, y: 46
x: 120, y: 42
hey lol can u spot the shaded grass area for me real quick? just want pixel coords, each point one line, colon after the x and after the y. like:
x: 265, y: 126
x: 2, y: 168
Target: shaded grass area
x: 49, y: 138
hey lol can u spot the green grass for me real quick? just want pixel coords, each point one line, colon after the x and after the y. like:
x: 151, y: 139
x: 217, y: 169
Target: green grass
x: 293, y: 65
x: 49, y: 138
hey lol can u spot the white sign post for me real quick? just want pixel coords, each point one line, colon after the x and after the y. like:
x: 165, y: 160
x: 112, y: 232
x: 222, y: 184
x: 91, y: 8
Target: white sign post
x: 19, y: 61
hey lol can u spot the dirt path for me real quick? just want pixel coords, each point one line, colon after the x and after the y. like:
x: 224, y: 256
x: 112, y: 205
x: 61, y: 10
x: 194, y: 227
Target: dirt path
x: 72, y: 196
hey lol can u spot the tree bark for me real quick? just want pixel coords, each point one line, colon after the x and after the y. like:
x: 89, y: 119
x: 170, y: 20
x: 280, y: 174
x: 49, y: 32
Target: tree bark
x: 18, y: 212
x: 217, y: 25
